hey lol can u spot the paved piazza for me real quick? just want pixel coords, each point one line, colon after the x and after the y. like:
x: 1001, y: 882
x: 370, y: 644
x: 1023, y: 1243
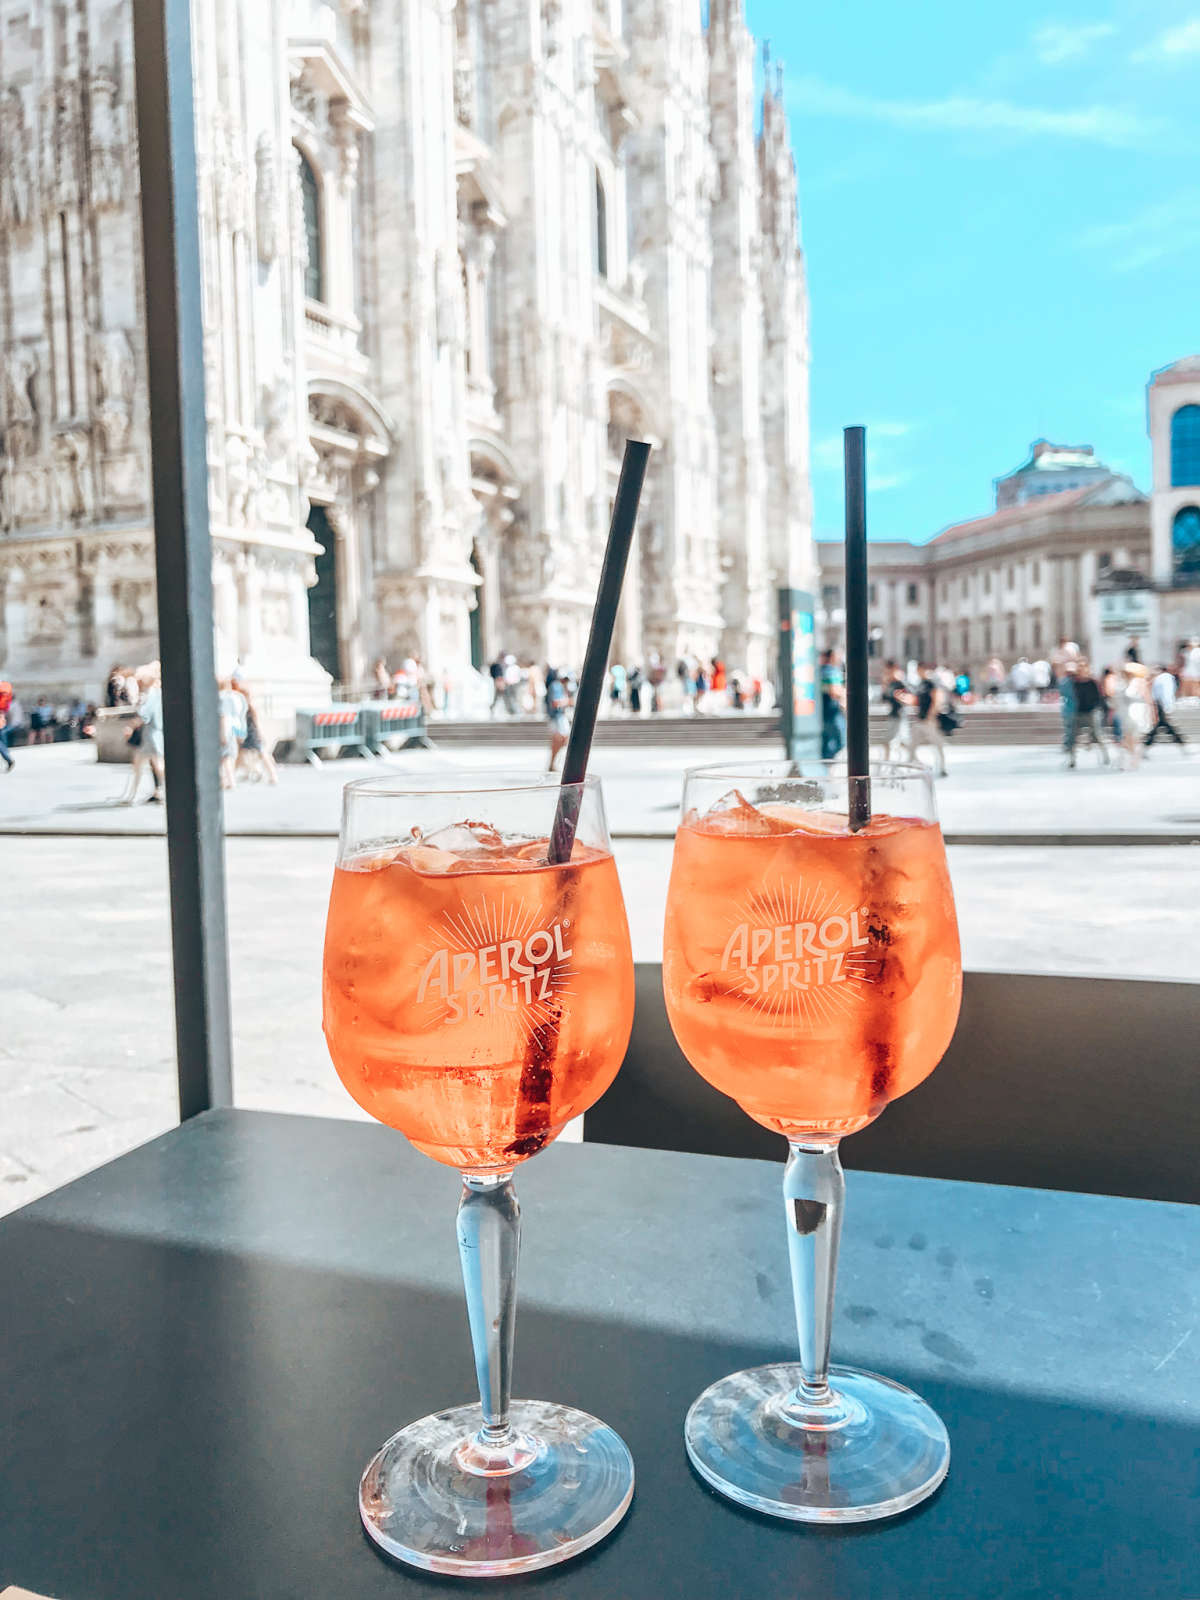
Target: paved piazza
x: 86, y: 1051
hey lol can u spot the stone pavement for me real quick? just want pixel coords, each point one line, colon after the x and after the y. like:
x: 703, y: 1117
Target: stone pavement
x: 87, y: 1043
x: 1023, y: 793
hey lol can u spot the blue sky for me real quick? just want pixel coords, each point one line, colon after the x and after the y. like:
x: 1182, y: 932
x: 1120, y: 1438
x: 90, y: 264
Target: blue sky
x: 1000, y: 208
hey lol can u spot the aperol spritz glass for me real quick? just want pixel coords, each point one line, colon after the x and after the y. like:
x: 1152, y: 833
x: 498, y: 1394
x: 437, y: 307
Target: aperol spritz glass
x: 812, y: 972
x: 477, y: 998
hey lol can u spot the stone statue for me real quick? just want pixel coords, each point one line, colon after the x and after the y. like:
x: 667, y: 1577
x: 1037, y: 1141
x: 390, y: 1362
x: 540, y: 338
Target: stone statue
x: 61, y: 148
x: 108, y: 171
x: 16, y: 182
x: 70, y: 472
x: 266, y: 200
x: 116, y: 375
x: 49, y: 620
x: 275, y: 412
x: 20, y: 401
x: 239, y: 480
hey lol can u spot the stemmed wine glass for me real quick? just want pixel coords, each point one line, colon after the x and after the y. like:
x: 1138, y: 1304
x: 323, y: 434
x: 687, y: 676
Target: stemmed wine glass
x: 812, y: 972
x: 477, y: 998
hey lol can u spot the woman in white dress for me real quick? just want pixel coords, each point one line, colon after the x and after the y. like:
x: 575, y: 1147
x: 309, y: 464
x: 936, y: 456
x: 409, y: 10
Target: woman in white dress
x: 1139, y: 713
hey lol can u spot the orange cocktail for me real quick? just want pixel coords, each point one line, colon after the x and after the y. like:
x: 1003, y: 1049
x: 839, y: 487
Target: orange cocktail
x: 476, y: 998
x: 811, y: 973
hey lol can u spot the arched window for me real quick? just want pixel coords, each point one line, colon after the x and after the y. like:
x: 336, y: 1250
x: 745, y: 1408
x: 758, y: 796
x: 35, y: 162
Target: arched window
x: 1185, y: 541
x: 310, y: 195
x: 1185, y: 447
x: 601, y: 229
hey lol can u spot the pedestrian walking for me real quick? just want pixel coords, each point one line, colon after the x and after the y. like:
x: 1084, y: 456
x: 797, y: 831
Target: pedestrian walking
x: 635, y: 691
x: 41, y: 722
x: 616, y: 688
x: 1163, y: 693
x: 1066, y: 704
x: 1041, y: 677
x: 1021, y: 679
x: 512, y: 685
x: 232, y: 707
x: 656, y: 674
x: 6, y: 700
x: 896, y: 700
x: 1190, y: 687
x: 995, y: 678
x: 833, y: 705
x: 1113, y: 700
x: 383, y: 679
x: 1088, y: 713
x: 146, y: 737
x: 556, y: 702
x: 924, y: 726
x: 496, y: 673
x: 254, y: 758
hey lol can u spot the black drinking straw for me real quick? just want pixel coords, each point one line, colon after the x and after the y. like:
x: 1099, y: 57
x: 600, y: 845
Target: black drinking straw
x: 858, y: 743
x: 595, y: 661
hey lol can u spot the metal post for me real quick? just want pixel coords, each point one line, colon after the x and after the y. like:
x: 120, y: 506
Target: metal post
x: 183, y: 549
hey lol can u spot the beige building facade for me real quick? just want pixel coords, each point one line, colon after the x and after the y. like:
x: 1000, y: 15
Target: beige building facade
x: 1010, y: 584
x: 454, y: 253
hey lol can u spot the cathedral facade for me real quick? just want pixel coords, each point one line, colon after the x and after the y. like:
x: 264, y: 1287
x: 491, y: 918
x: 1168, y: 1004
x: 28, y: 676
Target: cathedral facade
x: 453, y: 255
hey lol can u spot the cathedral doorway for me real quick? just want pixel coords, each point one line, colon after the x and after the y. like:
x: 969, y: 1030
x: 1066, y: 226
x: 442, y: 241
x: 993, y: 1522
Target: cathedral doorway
x: 323, y: 597
x: 478, y: 620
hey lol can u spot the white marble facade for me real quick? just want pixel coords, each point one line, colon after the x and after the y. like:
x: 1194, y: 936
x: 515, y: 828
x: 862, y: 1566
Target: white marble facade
x: 453, y: 255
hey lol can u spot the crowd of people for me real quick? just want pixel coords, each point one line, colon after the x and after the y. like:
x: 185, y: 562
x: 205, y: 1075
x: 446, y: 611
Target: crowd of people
x: 519, y: 687
x: 243, y: 751
x: 1119, y: 711
x: 41, y: 723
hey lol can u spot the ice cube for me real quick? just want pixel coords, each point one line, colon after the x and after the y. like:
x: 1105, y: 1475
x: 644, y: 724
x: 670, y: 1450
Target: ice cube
x: 734, y: 814
x: 464, y: 838
x: 797, y: 819
x: 426, y: 858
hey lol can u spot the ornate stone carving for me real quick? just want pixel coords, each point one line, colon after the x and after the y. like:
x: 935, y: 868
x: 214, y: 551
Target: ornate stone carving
x: 133, y: 604
x: 344, y: 134
x: 46, y: 617
x: 230, y: 180
x: 275, y: 403
x: 116, y: 374
x: 449, y: 298
x: 464, y: 89
x: 16, y: 162
x: 21, y: 370
x: 299, y: 231
x: 306, y: 102
x: 107, y: 143
x: 60, y: 147
x: 266, y: 199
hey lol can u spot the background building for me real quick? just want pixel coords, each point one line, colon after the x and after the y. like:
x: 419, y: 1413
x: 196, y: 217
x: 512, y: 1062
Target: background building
x: 453, y: 255
x: 1008, y: 584
x: 1050, y: 469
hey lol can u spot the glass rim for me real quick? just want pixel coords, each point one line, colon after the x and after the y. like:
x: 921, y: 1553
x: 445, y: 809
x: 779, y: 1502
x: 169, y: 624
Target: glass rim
x: 466, y: 780
x: 893, y: 771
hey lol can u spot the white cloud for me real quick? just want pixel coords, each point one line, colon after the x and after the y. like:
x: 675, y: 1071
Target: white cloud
x: 1163, y: 228
x: 1056, y: 42
x: 1107, y: 125
x: 882, y: 471
x: 1173, y: 45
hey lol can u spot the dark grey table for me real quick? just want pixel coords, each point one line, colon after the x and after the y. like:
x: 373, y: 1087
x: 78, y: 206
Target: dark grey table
x: 202, y: 1343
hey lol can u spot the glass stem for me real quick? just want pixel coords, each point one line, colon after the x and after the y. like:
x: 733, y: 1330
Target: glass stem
x: 813, y: 1191
x: 489, y: 1239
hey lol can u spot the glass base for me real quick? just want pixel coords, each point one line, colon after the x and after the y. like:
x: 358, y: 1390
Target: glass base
x: 434, y: 1499
x: 872, y: 1451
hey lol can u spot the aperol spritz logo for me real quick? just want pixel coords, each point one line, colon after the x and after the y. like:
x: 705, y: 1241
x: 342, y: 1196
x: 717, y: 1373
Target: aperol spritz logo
x: 489, y: 959
x: 796, y: 949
